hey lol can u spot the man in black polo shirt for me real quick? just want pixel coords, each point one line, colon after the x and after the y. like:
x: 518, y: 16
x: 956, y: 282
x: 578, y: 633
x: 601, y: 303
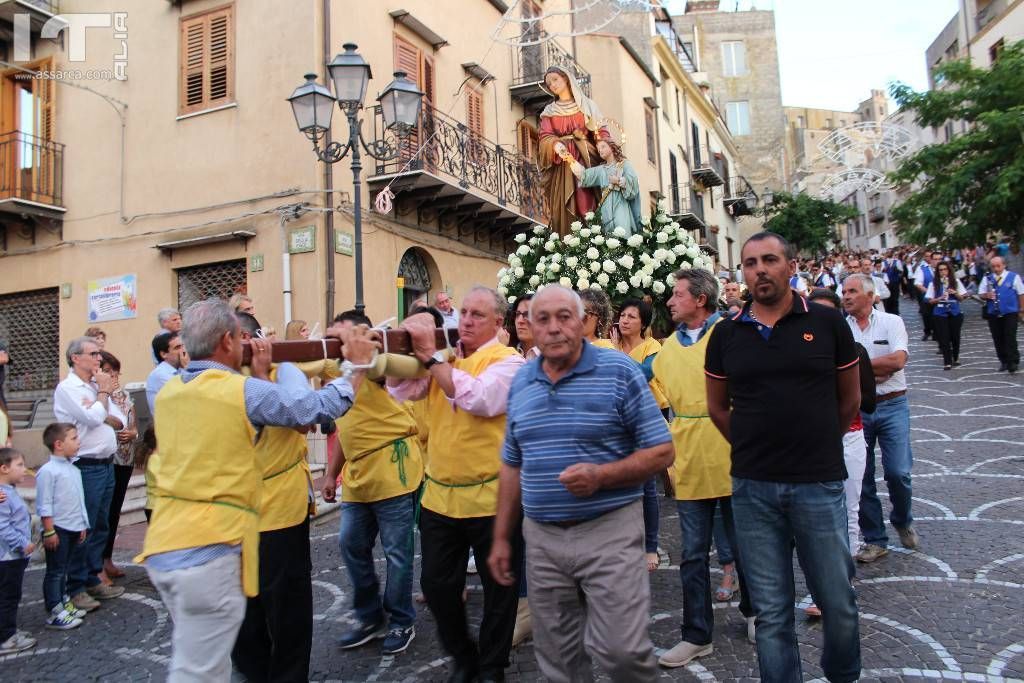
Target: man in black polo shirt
x: 783, y: 388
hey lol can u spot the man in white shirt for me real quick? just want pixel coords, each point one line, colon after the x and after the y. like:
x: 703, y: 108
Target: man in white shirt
x: 443, y: 303
x: 885, y: 338
x: 923, y: 277
x: 83, y: 399
x: 1003, y: 292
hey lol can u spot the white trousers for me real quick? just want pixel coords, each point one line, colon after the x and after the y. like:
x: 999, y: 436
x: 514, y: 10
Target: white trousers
x: 855, y: 453
x: 207, y: 606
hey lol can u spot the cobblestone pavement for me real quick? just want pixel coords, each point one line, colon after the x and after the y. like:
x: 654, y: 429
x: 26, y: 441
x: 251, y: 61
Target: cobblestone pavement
x: 951, y: 611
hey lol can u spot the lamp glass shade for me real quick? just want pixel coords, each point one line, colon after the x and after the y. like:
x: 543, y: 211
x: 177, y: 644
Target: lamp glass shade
x: 400, y: 102
x: 350, y: 75
x: 312, y: 105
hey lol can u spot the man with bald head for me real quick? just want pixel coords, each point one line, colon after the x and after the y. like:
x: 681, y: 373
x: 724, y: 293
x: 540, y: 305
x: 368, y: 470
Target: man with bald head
x: 583, y: 435
x: 1003, y: 292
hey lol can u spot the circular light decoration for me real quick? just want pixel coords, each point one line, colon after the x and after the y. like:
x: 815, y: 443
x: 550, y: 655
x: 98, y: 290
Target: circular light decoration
x: 862, y: 142
x: 839, y: 185
x: 523, y: 25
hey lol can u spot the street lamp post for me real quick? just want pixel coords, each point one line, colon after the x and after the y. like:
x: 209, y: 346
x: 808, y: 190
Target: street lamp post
x: 313, y: 106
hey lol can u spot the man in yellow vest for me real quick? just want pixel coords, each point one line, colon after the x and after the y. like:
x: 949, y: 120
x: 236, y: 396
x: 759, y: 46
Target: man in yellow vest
x: 276, y: 636
x: 378, y: 456
x: 466, y: 403
x: 702, y: 480
x: 207, y: 480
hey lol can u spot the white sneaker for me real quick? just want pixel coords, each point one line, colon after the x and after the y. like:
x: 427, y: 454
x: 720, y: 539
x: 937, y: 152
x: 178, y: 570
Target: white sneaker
x: 752, y: 630
x: 684, y: 653
x: 61, y: 620
x: 471, y: 566
x: 16, y: 643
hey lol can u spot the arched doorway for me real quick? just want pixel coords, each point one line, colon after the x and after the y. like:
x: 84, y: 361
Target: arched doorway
x: 420, y: 275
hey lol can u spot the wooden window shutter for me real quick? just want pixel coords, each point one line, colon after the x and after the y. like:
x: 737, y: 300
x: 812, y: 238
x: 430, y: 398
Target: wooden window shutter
x: 428, y: 85
x: 408, y: 59
x: 207, y: 60
x: 45, y: 91
x: 529, y: 141
x: 475, y: 111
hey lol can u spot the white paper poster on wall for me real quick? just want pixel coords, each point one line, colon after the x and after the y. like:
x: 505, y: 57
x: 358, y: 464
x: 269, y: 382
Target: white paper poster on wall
x: 113, y: 298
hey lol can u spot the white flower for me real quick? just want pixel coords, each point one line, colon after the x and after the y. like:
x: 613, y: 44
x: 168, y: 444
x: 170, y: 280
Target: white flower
x: 608, y: 265
x: 693, y: 252
x: 662, y: 218
x: 593, y: 254
x: 564, y: 281
x: 673, y: 225
x: 582, y: 283
x: 520, y: 272
x: 685, y: 265
x: 566, y: 237
x: 670, y: 281
x: 523, y: 250
x: 647, y: 280
x: 503, y: 291
x: 555, y: 267
x: 658, y: 287
x: 603, y: 279
x: 534, y: 241
x: 521, y: 237
x: 622, y: 287
x: 619, y: 231
x: 556, y: 257
x: 549, y: 246
x: 595, y: 266
x: 635, y: 240
x: 645, y: 258
x: 662, y: 205
x: 502, y: 272
x: 534, y: 280
x: 594, y: 285
x: 511, y: 299
x: 679, y: 249
x: 598, y: 240
x: 636, y: 280
x: 661, y: 237
x: 574, y: 242
x: 626, y: 261
x: 511, y: 258
x: 585, y: 232
x: 671, y: 258
x: 589, y: 216
x: 648, y: 269
x: 515, y: 262
x: 613, y: 243
x: 539, y: 230
x: 571, y: 261
x: 582, y: 272
x: 660, y: 254
x: 541, y: 267
x: 575, y: 225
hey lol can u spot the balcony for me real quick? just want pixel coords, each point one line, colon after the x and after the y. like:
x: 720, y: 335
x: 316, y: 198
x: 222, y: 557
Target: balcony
x: 876, y: 214
x: 460, y: 184
x: 528, y: 66
x: 683, y: 51
x: 38, y: 11
x: 686, y: 207
x: 740, y: 198
x: 987, y: 12
x: 31, y: 175
x: 706, y: 169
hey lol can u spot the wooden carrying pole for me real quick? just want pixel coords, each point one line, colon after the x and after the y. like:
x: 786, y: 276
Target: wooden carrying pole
x: 300, y: 351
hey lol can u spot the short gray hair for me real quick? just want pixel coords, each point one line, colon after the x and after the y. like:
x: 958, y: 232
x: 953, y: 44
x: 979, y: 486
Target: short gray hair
x: 165, y: 314
x: 500, y: 305
x: 77, y: 346
x: 558, y: 288
x: 867, y: 282
x: 700, y: 281
x: 205, y: 323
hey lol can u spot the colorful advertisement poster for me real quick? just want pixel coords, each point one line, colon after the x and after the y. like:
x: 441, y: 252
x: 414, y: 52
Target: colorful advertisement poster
x: 113, y: 298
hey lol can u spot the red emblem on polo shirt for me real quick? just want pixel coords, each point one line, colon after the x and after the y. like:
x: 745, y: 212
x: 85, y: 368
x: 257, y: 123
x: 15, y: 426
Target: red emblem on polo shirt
x: 808, y: 337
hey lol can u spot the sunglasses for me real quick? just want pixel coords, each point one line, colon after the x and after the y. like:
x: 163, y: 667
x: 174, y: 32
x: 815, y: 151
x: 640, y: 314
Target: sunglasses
x: 522, y: 314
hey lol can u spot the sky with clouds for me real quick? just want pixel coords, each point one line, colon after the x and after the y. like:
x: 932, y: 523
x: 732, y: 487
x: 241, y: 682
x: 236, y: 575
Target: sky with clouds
x: 833, y: 52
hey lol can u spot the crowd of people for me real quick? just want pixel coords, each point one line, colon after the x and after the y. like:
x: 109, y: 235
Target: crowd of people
x: 530, y: 452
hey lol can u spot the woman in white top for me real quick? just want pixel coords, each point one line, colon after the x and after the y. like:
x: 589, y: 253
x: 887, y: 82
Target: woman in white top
x: 945, y: 292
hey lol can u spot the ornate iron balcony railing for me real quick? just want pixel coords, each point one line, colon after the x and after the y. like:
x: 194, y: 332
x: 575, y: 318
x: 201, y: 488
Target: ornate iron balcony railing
x: 31, y: 168
x: 529, y: 63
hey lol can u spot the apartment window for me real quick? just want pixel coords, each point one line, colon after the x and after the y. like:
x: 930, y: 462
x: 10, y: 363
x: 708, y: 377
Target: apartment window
x: 211, y: 280
x: 207, y: 60
x: 418, y: 67
x: 665, y: 87
x: 801, y: 122
x: 475, y: 123
x: 738, y: 117
x: 734, y: 58
x: 652, y: 144
x: 673, y: 182
x: 529, y: 141
x: 679, y: 111
x: 996, y: 50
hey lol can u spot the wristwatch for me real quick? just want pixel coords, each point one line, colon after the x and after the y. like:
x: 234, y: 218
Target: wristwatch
x: 437, y: 357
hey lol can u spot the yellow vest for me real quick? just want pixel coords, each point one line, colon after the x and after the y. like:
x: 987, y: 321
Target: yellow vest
x: 382, y: 454
x: 702, y: 453
x: 206, y: 482
x: 464, y: 451
x: 602, y: 344
x: 649, y: 347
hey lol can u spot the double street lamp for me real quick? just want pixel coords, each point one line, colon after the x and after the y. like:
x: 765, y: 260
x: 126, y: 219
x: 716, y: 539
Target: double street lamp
x: 313, y: 106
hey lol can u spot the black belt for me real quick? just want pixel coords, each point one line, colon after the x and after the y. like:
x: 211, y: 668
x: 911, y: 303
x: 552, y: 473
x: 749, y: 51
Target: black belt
x: 89, y: 462
x: 891, y: 395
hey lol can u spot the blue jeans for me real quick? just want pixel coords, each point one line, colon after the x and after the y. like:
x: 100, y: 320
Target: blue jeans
x: 98, y: 486
x: 770, y: 517
x: 12, y: 575
x: 722, y: 544
x: 392, y: 518
x: 696, y: 519
x: 889, y: 426
x: 58, y: 562
x: 652, y: 518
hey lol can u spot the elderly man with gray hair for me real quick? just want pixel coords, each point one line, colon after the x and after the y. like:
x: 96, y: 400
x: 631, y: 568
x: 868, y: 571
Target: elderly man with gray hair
x: 170, y: 321
x: 584, y: 433
x: 83, y: 399
x: 205, y: 481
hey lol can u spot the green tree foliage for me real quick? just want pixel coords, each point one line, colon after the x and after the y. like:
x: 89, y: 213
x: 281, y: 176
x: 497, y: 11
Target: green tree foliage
x: 806, y: 221
x: 973, y: 185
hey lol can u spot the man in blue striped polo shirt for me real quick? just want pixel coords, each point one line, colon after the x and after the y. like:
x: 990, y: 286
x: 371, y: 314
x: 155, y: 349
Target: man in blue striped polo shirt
x: 583, y: 435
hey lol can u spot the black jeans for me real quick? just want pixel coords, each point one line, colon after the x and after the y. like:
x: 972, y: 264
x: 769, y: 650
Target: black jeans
x: 122, y: 475
x: 925, y: 309
x: 58, y: 562
x: 1004, y: 336
x: 947, y: 333
x: 445, y: 543
x: 892, y: 304
x: 276, y: 636
x: 11, y: 574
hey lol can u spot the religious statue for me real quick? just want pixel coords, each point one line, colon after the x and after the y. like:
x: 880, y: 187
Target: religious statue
x: 619, y: 203
x: 569, y: 131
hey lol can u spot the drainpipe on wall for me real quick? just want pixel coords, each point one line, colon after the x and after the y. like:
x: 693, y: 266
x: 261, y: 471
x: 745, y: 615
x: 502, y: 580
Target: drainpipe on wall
x: 286, y: 270
x: 328, y: 179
